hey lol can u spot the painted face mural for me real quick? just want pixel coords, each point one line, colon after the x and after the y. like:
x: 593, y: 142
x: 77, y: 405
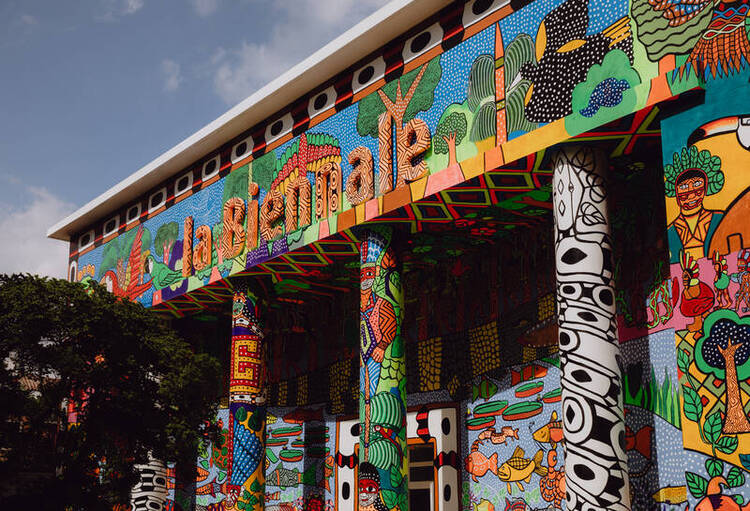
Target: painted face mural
x: 369, y: 489
x: 691, y: 176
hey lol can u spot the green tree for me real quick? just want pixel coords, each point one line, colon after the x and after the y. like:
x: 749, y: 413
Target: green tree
x: 450, y: 132
x: 419, y: 85
x: 724, y: 351
x: 166, y: 235
x: 140, y: 388
x: 235, y: 184
x: 263, y: 170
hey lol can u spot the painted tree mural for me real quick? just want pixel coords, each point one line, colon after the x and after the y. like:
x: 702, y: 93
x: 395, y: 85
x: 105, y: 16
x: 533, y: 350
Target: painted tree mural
x: 166, y: 236
x: 480, y: 97
x: 263, y: 169
x: 235, y: 184
x: 419, y: 85
x: 450, y: 132
x: 725, y: 353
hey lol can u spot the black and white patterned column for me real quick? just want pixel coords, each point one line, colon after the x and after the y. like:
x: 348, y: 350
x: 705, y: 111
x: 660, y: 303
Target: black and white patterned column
x: 596, y: 473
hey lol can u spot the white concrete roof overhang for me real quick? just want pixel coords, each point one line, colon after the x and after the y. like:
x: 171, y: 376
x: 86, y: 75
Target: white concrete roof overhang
x: 391, y: 21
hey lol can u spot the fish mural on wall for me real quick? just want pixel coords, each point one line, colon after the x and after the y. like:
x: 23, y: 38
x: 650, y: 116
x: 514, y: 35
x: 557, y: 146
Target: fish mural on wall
x: 516, y: 457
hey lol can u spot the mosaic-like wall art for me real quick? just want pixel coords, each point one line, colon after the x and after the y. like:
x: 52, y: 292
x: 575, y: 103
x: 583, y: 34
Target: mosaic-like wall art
x: 450, y: 113
x: 707, y: 153
x: 515, y: 455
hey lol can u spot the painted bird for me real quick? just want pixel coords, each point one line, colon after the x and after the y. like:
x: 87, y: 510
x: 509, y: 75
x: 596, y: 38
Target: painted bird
x: 715, y: 501
x: 723, y: 45
x: 161, y: 274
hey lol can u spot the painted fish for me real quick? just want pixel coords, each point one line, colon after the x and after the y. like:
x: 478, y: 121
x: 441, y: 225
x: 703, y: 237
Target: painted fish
x: 483, y: 505
x: 205, y: 488
x: 290, y: 478
x: 551, y: 433
x: 526, y: 373
x: 486, y: 389
x: 498, y: 438
x: 518, y: 468
x: 639, y: 442
x: 477, y: 464
x: 672, y: 495
x: 607, y: 93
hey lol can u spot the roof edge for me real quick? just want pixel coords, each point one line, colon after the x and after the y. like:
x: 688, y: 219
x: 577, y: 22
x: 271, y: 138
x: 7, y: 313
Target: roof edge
x: 384, y: 25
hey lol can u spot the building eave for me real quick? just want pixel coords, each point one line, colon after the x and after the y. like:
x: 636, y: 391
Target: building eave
x: 389, y: 22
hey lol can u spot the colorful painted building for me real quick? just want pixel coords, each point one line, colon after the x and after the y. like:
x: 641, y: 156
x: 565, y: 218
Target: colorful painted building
x: 479, y: 255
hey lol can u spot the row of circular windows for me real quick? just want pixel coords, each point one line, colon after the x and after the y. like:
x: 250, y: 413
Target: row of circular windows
x: 424, y: 41
x: 156, y: 200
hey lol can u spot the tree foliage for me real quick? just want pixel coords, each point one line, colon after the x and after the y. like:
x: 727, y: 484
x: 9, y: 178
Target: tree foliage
x: 139, y: 389
x: 371, y: 106
x: 235, y: 184
x: 263, y: 170
x: 166, y: 235
x: 454, y: 124
x: 719, y: 327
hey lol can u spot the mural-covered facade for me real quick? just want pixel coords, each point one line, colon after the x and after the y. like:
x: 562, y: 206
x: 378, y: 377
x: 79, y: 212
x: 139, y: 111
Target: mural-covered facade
x: 503, y: 263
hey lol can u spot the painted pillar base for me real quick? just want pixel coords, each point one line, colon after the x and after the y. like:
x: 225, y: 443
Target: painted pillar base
x: 596, y: 471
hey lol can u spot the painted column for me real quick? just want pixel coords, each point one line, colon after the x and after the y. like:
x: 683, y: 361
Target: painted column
x: 596, y: 472
x: 383, y: 467
x: 247, y: 404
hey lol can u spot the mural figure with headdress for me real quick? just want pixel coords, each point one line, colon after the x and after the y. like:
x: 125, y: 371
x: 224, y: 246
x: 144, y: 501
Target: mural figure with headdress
x: 690, y: 178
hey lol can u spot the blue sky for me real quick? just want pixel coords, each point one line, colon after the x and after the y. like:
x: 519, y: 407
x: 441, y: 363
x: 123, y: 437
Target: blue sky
x: 92, y: 90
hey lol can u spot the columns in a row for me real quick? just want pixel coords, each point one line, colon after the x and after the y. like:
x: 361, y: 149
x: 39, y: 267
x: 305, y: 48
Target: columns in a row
x: 247, y: 403
x: 595, y: 461
x: 383, y: 481
x: 383, y: 470
x: 596, y: 474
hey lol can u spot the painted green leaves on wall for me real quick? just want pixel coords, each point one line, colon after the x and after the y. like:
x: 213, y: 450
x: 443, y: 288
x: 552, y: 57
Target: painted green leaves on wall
x: 693, y: 406
x: 712, y: 427
x: 696, y: 484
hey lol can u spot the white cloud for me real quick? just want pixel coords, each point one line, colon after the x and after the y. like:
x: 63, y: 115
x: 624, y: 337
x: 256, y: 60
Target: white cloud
x: 172, y: 75
x: 114, y: 9
x: 25, y: 247
x: 205, y: 7
x: 299, y: 28
x: 29, y: 20
x: 132, y: 6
